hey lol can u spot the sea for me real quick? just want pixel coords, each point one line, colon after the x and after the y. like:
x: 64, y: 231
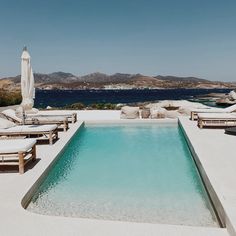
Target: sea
x: 60, y: 98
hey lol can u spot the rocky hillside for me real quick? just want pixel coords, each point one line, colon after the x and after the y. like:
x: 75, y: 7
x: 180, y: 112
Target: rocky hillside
x: 62, y: 80
x: 183, y: 79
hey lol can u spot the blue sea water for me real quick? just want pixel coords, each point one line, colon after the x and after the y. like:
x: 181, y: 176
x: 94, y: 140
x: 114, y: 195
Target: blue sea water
x: 59, y: 98
x: 139, y: 173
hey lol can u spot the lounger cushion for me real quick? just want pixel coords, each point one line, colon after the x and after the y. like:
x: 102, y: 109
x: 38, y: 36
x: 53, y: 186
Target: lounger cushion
x: 16, y: 145
x: 45, y: 119
x: 216, y: 110
x: 18, y: 117
x: 209, y: 110
x: 62, y: 113
x: 217, y: 116
x: 4, y: 123
x: 145, y: 113
x: 12, y: 114
x: 29, y: 128
x: 157, y: 113
x: 129, y: 112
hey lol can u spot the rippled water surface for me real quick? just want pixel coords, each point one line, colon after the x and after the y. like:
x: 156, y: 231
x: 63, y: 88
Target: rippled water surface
x: 141, y: 173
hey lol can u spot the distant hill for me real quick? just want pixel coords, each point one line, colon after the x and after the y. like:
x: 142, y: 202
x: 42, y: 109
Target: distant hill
x: 183, y: 79
x: 56, y: 77
x: 62, y: 80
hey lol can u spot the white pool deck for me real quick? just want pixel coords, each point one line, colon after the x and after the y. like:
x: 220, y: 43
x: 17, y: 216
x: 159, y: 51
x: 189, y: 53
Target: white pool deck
x: 216, y: 153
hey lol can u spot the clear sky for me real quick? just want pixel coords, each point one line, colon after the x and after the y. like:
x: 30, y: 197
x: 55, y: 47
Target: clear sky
x: 167, y: 37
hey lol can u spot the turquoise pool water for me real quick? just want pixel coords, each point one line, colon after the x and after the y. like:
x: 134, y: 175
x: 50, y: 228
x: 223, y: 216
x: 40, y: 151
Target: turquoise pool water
x: 139, y: 173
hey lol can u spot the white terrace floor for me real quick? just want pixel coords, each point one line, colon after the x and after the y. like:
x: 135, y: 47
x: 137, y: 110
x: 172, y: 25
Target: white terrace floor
x: 215, y: 151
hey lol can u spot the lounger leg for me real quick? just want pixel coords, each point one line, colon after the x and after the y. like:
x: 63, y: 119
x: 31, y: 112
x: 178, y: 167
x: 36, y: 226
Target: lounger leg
x: 74, y: 118
x: 200, y: 124
x: 56, y: 132
x: 65, y: 125
x: 21, y: 162
x: 192, y: 116
x: 50, y: 137
x: 34, y: 153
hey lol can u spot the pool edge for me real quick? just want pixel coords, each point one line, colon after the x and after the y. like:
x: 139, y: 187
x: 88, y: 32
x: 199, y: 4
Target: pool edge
x: 213, y: 197
x: 29, y: 194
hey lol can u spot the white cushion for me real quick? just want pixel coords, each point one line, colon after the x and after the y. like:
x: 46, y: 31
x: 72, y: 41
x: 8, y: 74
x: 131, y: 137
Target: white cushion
x: 5, y: 124
x: 12, y: 114
x: 63, y: 113
x: 16, y: 145
x: 129, y: 112
x: 29, y: 129
x: 157, y: 113
x: 217, y: 116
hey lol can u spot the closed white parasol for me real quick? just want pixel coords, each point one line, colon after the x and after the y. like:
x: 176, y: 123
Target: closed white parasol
x: 27, y: 82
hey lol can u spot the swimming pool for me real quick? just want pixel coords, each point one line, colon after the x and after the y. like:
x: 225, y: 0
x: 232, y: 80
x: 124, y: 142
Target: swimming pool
x: 139, y: 173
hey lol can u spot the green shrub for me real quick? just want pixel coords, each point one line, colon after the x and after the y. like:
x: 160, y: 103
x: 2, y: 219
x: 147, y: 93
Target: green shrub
x: 75, y: 106
x: 94, y: 106
x: 103, y: 106
x: 10, y: 98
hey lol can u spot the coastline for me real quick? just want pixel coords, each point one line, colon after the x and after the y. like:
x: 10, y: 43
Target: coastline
x: 61, y: 98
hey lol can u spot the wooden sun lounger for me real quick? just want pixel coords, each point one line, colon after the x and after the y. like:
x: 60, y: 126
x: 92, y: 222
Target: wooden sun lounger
x: 216, y: 120
x: 59, y: 121
x: 17, y: 152
x: 40, y: 132
x: 194, y: 113
x: 71, y: 117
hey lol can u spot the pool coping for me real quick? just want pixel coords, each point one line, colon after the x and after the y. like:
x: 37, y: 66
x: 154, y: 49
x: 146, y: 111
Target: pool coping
x: 28, y: 196
x: 73, y: 225
x: 210, y: 160
x: 216, y: 204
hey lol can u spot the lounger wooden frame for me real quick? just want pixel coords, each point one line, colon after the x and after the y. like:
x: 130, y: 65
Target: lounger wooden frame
x: 35, y: 121
x: 18, y: 158
x: 71, y: 118
x: 193, y: 115
x: 50, y: 136
x: 74, y: 117
x: 216, y: 122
